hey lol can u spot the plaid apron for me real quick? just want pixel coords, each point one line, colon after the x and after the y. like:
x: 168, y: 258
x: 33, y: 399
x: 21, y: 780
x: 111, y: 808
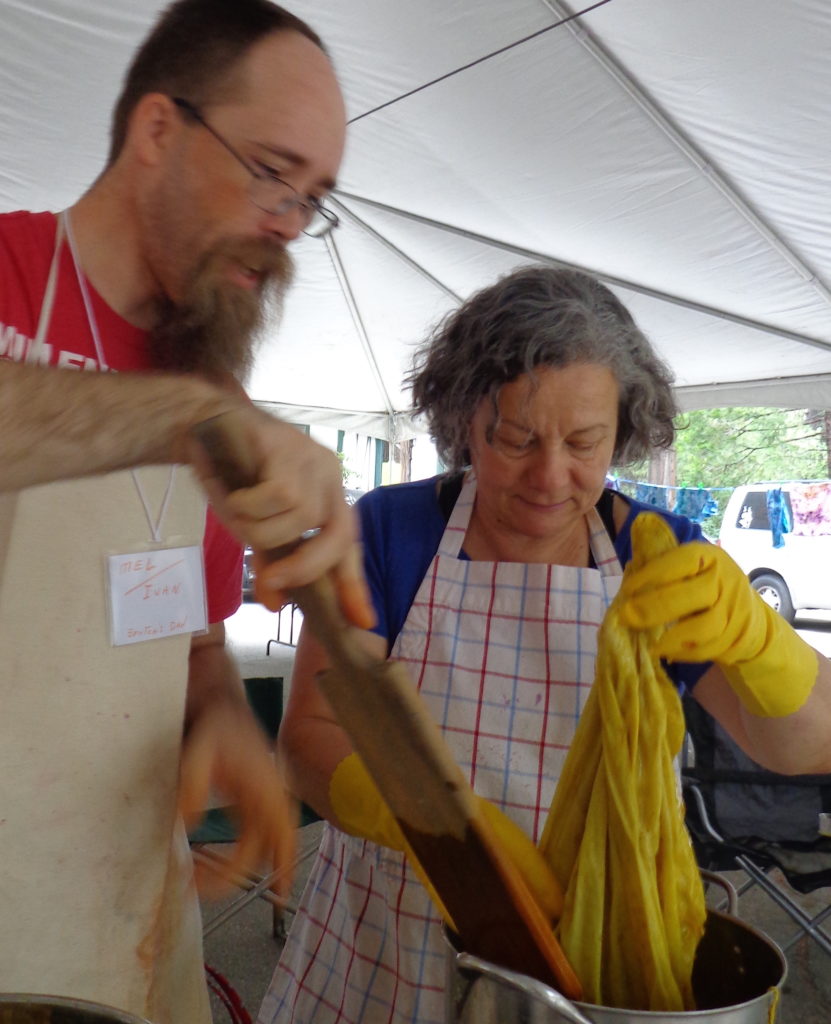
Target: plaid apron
x: 503, y: 654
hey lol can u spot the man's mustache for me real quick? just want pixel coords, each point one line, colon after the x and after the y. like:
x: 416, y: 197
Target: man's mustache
x: 270, y: 261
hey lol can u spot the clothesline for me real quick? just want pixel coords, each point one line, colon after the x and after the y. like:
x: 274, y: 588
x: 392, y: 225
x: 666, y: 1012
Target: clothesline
x: 810, y: 501
x: 667, y: 487
x: 696, y: 503
x: 612, y: 478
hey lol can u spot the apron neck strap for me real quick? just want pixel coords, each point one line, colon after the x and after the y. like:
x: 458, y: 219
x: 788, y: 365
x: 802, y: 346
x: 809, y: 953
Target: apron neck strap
x: 48, y: 302
x: 602, y: 548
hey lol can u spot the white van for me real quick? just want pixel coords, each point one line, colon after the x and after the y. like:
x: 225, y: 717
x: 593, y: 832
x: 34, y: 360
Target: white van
x: 798, y: 574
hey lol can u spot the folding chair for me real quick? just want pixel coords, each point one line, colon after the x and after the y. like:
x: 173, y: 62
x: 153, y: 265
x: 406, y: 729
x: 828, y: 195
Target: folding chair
x: 265, y: 695
x: 742, y: 817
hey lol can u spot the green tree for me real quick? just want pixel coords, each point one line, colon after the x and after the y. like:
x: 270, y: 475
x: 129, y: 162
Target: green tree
x: 345, y: 472
x: 727, y: 447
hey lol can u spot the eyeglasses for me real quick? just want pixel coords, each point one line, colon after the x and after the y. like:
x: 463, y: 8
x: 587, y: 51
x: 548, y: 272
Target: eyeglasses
x: 269, y: 192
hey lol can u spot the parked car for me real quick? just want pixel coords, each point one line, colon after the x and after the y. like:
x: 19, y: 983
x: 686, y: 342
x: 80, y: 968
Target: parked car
x: 248, y: 575
x: 797, y: 574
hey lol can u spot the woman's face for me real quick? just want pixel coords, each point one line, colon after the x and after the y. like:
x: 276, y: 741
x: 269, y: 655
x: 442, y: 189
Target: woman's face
x: 549, y: 450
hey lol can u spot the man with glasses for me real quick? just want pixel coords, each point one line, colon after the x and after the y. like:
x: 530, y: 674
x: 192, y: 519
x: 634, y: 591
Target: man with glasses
x: 226, y: 139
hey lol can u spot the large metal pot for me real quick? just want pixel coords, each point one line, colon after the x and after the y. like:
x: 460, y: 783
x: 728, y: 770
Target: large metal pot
x: 17, y: 1008
x: 736, y: 975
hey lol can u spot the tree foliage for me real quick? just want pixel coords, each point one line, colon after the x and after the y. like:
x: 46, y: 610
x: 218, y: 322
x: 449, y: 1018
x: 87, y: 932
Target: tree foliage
x: 727, y: 447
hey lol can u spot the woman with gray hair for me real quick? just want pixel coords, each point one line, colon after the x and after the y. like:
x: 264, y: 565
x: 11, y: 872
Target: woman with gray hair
x: 490, y: 582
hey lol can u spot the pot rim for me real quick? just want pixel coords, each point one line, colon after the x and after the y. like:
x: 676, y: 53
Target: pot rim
x: 40, y: 999
x: 663, y: 1015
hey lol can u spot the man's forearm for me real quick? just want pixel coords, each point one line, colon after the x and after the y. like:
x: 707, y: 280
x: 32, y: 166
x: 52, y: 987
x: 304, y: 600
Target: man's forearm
x: 213, y: 675
x: 61, y: 424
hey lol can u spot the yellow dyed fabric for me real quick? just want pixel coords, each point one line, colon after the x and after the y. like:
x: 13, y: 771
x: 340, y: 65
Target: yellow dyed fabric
x: 615, y: 837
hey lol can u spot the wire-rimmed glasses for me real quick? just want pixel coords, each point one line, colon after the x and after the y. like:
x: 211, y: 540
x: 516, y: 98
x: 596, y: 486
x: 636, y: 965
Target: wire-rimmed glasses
x: 266, y: 190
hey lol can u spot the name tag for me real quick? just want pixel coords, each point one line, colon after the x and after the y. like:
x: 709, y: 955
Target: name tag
x: 154, y: 594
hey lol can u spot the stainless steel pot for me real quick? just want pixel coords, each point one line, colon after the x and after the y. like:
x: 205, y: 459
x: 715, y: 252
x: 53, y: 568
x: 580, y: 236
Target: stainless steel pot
x: 736, y: 977
x: 18, y: 1008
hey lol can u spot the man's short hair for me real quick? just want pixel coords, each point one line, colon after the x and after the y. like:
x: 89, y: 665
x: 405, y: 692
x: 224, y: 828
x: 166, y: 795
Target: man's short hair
x: 193, y: 50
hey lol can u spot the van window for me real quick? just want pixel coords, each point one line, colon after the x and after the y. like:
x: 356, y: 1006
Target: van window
x: 753, y: 512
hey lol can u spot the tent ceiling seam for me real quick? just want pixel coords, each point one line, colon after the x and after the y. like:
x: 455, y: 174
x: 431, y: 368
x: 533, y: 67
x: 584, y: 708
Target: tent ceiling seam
x: 398, y: 426
x: 610, y: 279
x: 707, y: 168
x: 760, y: 383
x: 474, y: 63
x: 394, y: 249
x: 354, y: 312
x: 263, y: 403
x: 808, y: 391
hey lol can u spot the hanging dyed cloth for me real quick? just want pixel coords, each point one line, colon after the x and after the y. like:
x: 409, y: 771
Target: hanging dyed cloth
x: 652, y: 494
x: 780, y: 522
x: 811, y: 504
x: 695, y: 503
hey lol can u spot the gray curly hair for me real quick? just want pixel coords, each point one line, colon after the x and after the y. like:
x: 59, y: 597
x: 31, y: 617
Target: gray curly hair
x: 539, y: 316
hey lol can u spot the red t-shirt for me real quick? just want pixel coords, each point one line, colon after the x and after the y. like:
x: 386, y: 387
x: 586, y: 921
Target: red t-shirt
x: 27, y: 243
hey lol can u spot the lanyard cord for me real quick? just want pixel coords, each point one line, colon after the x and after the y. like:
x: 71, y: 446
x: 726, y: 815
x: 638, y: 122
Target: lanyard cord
x: 48, y: 300
x: 155, y: 527
x: 82, y: 284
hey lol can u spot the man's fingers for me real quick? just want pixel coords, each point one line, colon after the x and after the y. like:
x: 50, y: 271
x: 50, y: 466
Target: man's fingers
x: 313, y: 558
x: 348, y: 578
x: 284, y: 831
x: 267, y: 843
x: 353, y: 590
x: 248, y: 854
x: 266, y: 594
x: 283, y: 858
x: 195, y: 777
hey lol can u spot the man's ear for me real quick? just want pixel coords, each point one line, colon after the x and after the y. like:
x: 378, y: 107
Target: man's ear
x: 153, y: 124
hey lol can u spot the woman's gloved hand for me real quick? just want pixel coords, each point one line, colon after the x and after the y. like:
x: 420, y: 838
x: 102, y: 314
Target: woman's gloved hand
x: 361, y: 811
x: 713, y: 614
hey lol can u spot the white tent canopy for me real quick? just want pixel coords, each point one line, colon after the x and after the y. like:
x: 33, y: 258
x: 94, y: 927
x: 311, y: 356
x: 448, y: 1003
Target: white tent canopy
x: 679, y: 149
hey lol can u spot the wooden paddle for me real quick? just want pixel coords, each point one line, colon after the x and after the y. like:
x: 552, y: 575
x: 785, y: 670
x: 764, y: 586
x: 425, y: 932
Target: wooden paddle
x: 380, y: 709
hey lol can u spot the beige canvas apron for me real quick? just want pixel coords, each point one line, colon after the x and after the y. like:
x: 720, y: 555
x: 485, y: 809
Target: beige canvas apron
x: 96, y: 881
x: 503, y: 654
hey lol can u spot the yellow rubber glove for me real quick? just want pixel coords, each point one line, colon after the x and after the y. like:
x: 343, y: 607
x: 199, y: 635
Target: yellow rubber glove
x: 714, y: 614
x: 361, y: 811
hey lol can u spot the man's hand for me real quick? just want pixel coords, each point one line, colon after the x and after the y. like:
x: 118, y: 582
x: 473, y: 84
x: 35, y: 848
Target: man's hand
x: 226, y: 752
x: 299, y: 489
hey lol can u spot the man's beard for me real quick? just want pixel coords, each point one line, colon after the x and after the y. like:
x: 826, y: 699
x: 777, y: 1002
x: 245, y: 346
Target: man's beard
x: 214, y: 329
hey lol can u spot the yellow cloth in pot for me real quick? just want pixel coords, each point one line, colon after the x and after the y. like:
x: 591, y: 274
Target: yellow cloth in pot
x: 615, y: 837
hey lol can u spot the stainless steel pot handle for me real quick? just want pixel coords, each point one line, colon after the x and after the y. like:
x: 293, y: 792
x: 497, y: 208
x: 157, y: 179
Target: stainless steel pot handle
x: 536, y: 989
x: 729, y: 888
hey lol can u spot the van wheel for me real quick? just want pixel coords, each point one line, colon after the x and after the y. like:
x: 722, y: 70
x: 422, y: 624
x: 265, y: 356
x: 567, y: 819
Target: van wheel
x: 773, y: 591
